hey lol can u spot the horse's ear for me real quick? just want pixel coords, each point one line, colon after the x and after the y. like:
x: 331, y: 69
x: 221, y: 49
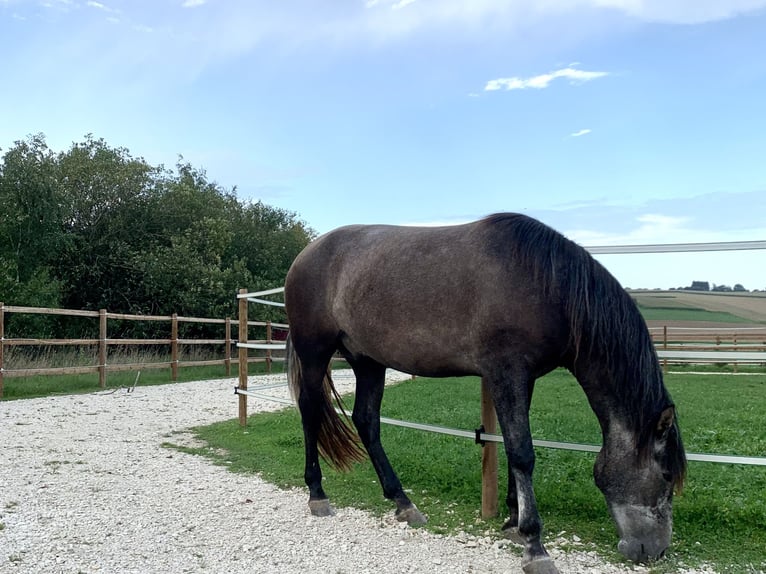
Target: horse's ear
x: 667, y: 417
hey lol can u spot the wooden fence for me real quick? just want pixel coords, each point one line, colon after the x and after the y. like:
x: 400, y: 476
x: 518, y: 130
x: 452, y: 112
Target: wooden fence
x: 104, y: 342
x: 737, y: 345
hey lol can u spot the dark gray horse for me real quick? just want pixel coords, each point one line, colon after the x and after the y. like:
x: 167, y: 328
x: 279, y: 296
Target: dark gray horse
x: 505, y: 298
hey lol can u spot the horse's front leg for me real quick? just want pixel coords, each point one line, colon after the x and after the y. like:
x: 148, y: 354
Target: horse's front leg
x: 511, y: 403
x: 370, y: 382
x: 511, y: 526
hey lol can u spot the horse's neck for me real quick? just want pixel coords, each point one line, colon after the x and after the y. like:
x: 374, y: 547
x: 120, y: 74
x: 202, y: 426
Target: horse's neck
x: 599, y: 386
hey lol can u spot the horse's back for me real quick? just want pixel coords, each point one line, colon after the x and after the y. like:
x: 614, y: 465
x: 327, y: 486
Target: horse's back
x: 414, y: 297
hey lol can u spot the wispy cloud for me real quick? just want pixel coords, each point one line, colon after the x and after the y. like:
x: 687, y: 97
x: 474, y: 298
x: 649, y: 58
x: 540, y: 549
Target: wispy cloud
x: 64, y: 5
x: 579, y: 133
x: 104, y: 8
x: 395, y: 4
x: 192, y: 3
x: 574, y: 75
x: 681, y: 11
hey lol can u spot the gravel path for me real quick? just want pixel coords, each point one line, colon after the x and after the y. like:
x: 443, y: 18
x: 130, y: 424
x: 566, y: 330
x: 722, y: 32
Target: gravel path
x: 86, y: 487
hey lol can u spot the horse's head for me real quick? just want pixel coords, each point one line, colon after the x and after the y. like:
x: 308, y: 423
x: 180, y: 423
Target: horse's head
x: 637, y: 478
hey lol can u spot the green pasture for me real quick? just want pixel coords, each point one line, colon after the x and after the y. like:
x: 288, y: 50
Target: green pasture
x: 687, y: 314
x: 720, y: 518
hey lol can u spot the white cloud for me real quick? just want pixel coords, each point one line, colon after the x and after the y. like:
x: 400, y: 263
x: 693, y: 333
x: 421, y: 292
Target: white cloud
x: 394, y: 4
x: 402, y: 4
x: 509, y: 16
x: 103, y: 8
x: 64, y: 5
x: 681, y: 11
x: 192, y: 3
x: 574, y: 76
x: 579, y: 133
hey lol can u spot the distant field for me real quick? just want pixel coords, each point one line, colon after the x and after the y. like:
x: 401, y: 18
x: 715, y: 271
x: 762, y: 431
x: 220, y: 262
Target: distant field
x: 701, y: 306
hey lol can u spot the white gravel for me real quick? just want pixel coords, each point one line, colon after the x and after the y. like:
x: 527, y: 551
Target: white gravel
x: 86, y: 487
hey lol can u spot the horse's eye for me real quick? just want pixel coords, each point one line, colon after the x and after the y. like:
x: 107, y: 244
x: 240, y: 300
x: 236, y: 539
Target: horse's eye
x: 667, y: 476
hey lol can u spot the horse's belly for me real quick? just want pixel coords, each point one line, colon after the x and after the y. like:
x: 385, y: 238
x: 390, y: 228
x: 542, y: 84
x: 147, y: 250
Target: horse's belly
x: 424, y: 351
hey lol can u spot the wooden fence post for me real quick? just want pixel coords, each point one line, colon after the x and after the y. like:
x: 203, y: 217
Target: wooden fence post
x: 102, y: 348
x: 488, y: 455
x: 665, y: 346
x: 174, y: 347
x: 243, y: 358
x: 2, y: 345
x: 227, y: 352
x: 268, y: 351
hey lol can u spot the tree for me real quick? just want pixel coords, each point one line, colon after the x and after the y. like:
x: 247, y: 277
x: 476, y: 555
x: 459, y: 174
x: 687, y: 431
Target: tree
x: 109, y: 199
x: 31, y: 235
x: 30, y: 213
x: 95, y: 227
x: 267, y: 240
x: 699, y: 286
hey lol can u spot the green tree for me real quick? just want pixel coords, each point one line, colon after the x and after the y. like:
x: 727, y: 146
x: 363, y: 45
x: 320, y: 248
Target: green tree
x: 95, y: 227
x: 31, y: 236
x: 268, y: 239
x: 109, y: 198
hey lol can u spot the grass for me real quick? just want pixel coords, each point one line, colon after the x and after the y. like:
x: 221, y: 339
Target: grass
x: 687, y: 314
x: 720, y: 519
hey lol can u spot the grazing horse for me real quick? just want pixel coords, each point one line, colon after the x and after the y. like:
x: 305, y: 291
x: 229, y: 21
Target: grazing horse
x: 505, y: 298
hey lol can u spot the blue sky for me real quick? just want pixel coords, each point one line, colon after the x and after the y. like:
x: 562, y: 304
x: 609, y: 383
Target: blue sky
x: 614, y: 121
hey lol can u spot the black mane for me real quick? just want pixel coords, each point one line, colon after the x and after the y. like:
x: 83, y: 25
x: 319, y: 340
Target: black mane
x: 605, y: 323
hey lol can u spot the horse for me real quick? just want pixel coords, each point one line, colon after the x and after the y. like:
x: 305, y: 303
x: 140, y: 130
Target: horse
x: 505, y: 298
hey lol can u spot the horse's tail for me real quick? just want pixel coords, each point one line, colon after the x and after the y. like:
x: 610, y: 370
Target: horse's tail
x: 338, y: 442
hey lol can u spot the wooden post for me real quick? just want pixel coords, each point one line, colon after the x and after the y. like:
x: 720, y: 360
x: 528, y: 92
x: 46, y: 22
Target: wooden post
x: 174, y: 347
x: 488, y: 456
x: 268, y: 351
x: 102, y: 348
x: 242, y: 358
x: 227, y: 352
x: 2, y: 345
x: 665, y: 346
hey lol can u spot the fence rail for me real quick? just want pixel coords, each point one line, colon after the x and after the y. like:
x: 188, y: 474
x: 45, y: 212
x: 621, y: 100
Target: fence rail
x: 103, y: 343
x: 730, y: 345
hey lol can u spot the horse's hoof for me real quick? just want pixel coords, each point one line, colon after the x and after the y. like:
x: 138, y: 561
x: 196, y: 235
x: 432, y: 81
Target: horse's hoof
x: 540, y: 566
x: 320, y: 507
x: 411, y: 515
x: 511, y: 532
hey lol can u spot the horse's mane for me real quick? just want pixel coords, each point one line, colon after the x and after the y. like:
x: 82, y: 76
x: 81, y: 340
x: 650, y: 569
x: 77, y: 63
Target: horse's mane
x: 604, y: 323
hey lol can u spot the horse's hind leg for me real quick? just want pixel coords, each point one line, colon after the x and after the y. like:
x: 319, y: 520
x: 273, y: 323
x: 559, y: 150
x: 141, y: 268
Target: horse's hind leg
x: 311, y: 395
x: 370, y: 382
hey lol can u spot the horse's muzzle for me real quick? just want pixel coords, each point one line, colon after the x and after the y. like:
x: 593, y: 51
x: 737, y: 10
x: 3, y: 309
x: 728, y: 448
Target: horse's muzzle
x: 644, y: 532
x: 641, y: 552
